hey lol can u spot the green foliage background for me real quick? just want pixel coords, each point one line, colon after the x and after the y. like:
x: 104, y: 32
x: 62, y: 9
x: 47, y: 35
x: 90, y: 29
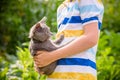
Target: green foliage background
x: 16, y: 18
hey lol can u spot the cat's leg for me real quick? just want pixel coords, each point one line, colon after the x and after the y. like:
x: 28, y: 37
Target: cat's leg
x: 66, y: 43
x: 59, y: 40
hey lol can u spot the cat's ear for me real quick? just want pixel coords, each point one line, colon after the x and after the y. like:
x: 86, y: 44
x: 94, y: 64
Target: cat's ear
x: 43, y: 20
x: 38, y: 25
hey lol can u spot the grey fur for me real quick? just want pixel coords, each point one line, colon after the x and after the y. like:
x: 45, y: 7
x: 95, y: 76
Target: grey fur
x: 40, y: 40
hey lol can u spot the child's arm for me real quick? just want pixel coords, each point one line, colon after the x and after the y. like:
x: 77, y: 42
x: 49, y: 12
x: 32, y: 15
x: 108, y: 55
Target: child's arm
x: 84, y: 42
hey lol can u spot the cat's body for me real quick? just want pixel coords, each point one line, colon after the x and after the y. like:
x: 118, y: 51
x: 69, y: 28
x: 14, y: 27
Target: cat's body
x: 40, y: 41
x: 44, y: 46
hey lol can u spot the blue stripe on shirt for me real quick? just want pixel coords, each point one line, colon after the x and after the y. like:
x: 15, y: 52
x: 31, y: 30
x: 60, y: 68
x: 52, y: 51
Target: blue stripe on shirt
x: 89, y: 19
x: 65, y: 20
x: 73, y: 19
x: 77, y: 19
x: 99, y: 25
x: 92, y: 19
x: 77, y: 61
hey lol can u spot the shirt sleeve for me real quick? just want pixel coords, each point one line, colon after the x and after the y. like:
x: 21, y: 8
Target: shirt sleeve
x: 91, y: 11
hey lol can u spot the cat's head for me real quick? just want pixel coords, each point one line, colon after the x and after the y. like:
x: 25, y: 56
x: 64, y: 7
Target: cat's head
x: 40, y: 31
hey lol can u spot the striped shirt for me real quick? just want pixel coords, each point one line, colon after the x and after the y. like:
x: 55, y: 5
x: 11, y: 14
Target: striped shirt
x: 72, y: 16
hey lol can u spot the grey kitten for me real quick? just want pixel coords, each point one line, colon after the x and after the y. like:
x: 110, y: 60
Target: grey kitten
x: 40, y: 40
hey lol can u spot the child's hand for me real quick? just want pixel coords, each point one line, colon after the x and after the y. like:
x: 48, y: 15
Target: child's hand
x: 43, y: 58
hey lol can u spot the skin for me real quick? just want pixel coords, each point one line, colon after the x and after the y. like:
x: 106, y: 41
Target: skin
x: 84, y: 42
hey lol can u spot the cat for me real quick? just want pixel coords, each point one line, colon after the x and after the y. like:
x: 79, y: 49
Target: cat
x: 40, y: 41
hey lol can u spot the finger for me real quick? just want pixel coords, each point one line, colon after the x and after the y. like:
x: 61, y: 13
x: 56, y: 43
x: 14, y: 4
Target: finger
x: 35, y: 57
x: 37, y: 64
x: 38, y: 53
x: 41, y: 73
x: 36, y: 60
